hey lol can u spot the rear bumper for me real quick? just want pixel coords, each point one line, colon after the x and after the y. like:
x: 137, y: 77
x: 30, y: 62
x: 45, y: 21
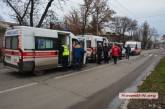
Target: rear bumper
x: 21, y: 67
x: 11, y: 66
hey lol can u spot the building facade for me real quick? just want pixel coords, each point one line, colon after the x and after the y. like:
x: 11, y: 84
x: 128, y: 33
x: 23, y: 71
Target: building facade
x: 3, y: 26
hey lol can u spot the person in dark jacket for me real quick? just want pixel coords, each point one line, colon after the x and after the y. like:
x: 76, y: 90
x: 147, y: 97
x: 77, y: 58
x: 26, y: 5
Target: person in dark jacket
x: 106, y: 51
x: 120, y: 54
x: 78, y: 53
x: 127, y: 51
x: 99, y: 53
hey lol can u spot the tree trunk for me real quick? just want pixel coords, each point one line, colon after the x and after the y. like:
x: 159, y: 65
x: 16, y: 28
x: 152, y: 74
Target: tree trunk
x: 97, y: 25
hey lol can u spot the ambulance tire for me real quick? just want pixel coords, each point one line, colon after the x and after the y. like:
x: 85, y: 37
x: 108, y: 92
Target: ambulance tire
x: 27, y: 68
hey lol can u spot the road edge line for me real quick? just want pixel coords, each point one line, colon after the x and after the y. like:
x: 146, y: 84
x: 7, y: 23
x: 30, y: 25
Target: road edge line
x: 19, y: 87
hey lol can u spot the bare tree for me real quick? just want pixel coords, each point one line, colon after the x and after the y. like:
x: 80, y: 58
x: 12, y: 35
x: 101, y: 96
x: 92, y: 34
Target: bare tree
x: 86, y: 10
x: 121, y: 25
x: 50, y: 20
x: 137, y: 34
x: 101, y: 14
x: 132, y: 28
x: 153, y: 35
x: 26, y: 11
x: 20, y: 9
x: 147, y: 34
x: 73, y: 22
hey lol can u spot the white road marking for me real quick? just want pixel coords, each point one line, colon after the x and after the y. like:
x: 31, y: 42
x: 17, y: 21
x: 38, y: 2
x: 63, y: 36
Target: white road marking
x: 150, y: 54
x: 19, y: 87
x: 75, y: 73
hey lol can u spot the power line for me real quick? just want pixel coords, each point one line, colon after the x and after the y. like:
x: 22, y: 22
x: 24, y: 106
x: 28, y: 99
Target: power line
x: 116, y: 7
x: 150, y: 16
x: 131, y: 13
x: 126, y: 9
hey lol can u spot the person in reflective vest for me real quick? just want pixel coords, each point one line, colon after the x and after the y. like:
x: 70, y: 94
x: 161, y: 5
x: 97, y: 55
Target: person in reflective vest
x: 65, y: 56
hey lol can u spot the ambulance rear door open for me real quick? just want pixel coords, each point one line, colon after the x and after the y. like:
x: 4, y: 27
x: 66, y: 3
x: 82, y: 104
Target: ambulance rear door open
x: 64, y: 38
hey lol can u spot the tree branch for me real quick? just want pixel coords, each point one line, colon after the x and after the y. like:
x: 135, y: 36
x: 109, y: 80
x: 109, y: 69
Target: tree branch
x: 26, y: 10
x: 44, y: 13
x: 31, y: 13
x: 18, y: 15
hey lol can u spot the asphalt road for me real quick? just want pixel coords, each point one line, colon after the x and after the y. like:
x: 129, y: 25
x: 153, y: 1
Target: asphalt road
x: 91, y: 88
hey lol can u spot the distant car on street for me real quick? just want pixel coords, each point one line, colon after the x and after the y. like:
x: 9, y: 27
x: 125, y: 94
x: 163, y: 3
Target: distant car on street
x: 135, y: 47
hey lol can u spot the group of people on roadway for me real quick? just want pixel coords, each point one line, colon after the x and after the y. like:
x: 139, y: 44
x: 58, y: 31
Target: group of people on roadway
x: 114, y: 52
x: 77, y: 56
x: 103, y: 53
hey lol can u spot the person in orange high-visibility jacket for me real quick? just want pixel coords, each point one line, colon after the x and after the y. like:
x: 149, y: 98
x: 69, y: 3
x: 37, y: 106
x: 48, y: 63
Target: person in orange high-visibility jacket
x: 115, y: 53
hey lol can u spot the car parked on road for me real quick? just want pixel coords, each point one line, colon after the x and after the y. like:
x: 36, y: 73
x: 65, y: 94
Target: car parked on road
x: 135, y: 47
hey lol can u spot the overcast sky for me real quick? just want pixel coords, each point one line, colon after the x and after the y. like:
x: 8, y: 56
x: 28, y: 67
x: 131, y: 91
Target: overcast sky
x: 152, y: 11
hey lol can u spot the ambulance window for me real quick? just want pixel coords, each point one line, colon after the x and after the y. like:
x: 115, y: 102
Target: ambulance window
x: 49, y: 44
x: 11, y: 42
x: 45, y: 43
x: 8, y: 42
x: 14, y: 43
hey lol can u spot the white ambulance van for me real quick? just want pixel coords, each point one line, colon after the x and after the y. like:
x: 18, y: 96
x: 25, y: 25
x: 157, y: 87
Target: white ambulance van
x: 34, y: 49
x: 92, y: 42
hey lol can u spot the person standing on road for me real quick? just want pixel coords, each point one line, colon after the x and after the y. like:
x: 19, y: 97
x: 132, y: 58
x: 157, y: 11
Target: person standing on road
x: 115, y: 53
x: 65, y: 55
x: 120, y: 54
x: 99, y: 53
x: 78, y: 53
x: 127, y: 51
x: 106, y: 51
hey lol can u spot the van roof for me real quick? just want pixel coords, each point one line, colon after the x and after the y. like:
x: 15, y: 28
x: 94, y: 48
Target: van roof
x: 27, y: 27
x: 41, y: 31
